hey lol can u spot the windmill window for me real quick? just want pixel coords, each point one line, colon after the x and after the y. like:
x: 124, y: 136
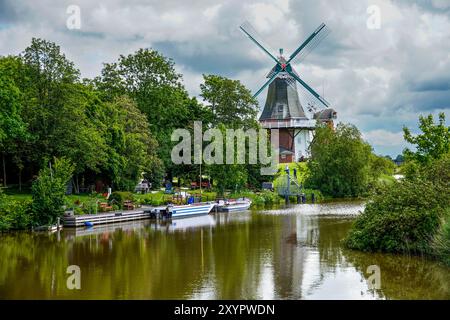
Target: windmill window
x: 280, y: 108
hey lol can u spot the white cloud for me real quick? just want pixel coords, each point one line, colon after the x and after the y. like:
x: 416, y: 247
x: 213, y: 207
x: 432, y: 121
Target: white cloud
x: 384, y: 138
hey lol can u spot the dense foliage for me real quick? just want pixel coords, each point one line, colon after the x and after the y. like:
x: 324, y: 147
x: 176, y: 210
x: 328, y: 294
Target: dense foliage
x: 47, y: 111
x: 119, y: 197
x: 231, y: 106
x: 432, y: 143
x: 14, y: 214
x: 151, y: 81
x: 401, y: 217
x: 114, y: 129
x: 340, y: 161
x: 49, y: 191
x: 413, y: 214
x: 229, y: 102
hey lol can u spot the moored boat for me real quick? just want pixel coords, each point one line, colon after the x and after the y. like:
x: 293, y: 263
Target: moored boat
x: 236, y: 205
x: 190, y: 209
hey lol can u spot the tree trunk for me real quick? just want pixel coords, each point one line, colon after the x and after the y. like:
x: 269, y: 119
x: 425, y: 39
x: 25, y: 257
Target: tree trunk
x: 20, y: 179
x: 77, y: 186
x: 4, y: 170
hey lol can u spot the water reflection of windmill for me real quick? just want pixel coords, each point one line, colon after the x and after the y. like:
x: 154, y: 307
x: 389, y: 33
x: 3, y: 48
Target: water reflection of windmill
x: 283, y: 109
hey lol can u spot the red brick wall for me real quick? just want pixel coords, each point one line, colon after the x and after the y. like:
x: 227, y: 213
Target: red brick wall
x: 286, y: 142
x: 288, y: 158
x: 286, y: 139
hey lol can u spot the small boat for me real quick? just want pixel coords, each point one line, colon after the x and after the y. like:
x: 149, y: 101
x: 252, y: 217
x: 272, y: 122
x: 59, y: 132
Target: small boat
x: 190, y: 209
x: 236, y: 205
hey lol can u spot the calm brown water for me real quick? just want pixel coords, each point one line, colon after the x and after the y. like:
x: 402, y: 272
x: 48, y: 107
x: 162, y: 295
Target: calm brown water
x: 290, y: 253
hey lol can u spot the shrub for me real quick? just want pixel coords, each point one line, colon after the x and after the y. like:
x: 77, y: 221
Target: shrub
x: 399, y: 218
x: 119, y: 197
x: 14, y: 214
x: 49, y: 190
x: 317, y: 194
x: 441, y: 242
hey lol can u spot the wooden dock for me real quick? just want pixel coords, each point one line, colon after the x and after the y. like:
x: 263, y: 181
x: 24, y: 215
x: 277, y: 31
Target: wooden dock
x: 107, y: 217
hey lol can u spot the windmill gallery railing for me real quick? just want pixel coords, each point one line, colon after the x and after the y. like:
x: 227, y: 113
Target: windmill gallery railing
x: 288, y: 123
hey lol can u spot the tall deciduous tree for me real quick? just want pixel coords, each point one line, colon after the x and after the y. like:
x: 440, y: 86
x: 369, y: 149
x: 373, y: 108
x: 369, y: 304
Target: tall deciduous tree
x: 432, y: 143
x: 230, y: 102
x: 339, y: 164
x: 12, y: 128
x: 231, y: 105
x: 151, y: 81
x: 132, y: 149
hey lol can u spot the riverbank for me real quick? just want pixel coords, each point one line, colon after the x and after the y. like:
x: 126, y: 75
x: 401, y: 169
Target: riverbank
x: 15, y: 208
x: 410, y: 216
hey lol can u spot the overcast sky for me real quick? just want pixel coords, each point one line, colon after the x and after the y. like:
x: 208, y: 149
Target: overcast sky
x: 378, y: 79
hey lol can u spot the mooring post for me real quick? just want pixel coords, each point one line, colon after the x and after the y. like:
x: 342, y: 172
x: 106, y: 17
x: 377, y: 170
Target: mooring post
x: 288, y: 191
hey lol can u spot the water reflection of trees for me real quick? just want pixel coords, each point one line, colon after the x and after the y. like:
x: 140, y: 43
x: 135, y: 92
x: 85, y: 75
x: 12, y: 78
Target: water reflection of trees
x: 405, y: 277
x: 225, y: 261
x: 29, y: 265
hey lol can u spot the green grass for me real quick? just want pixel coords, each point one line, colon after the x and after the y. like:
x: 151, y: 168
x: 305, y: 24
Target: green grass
x: 302, y: 171
x: 386, y: 179
x: 19, y: 196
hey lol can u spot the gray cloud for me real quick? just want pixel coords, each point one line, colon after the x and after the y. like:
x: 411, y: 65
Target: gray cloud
x: 379, y: 80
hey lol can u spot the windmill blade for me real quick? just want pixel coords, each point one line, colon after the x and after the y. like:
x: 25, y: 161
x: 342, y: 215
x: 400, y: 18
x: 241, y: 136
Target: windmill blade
x: 267, y: 83
x: 309, y: 101
x: 310, y: 90
x: 251, y: 33
x: 310, y: 43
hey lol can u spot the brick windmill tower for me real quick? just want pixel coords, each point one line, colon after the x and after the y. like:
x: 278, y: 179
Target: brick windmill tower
x: 283, y: 109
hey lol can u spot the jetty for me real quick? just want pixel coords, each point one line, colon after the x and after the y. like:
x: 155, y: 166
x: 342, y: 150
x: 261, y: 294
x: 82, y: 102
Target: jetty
x: 107, y: 217
x: 169, y: 211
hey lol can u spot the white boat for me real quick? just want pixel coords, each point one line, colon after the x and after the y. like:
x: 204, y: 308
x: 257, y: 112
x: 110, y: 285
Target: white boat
x: 190, y: 209
x: 236, y: 205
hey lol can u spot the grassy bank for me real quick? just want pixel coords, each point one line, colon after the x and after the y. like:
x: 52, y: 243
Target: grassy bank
x: 409, y: 216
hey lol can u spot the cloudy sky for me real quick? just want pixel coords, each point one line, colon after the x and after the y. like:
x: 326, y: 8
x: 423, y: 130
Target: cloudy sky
x: 376, y: 78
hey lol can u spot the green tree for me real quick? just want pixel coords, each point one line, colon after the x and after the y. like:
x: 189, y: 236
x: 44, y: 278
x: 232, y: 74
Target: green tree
x: 13, y: 130
x: 58, y: 109
x: 49, y: 190
x: 380, y: 165
x: 339, y: 164
x: 132, y: 149
x: 49, y: 76
x: 230, y: 102
x: 151, y: 81
x: 411, y: 215
x: 231, y: 105
x: 432, y: 143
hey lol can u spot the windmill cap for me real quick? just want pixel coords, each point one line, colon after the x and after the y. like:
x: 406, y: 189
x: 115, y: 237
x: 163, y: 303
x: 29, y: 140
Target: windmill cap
x: 326, y: 114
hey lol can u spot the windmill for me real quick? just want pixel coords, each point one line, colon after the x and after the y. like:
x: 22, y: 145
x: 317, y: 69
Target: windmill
x: 283, y: 109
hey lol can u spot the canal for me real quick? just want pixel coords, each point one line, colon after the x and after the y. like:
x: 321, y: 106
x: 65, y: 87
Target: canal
x: 285, y: 253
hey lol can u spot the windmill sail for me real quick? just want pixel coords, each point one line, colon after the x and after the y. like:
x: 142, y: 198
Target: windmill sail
x: 294, y: 118
x: 253, y: 35
x: 310, y: 44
